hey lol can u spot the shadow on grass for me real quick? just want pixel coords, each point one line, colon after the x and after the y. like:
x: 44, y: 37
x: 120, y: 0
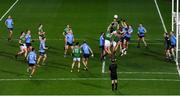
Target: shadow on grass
x: 7, y: 54
x: 11, y: 72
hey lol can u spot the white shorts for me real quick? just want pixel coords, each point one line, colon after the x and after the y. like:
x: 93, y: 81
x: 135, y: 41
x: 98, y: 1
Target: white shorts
x: 114, y: 44
x: 76, y: 59
x: 23, y: 47
x: 107, y: 43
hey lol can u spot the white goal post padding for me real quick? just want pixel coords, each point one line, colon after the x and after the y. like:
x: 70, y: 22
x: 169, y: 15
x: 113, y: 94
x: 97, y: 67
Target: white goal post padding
x: 174, y: 15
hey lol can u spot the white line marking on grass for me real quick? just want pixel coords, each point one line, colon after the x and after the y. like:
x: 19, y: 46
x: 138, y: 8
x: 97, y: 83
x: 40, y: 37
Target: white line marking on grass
x: 9, y: 9
x: 150, y: 73
x: 86, y: 79
x: 162, y: 21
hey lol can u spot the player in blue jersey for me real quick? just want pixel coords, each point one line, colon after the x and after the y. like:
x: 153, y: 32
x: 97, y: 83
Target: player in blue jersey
x: 173, y: 44
x: 101, y: 45
x: 42, y: 51
x: 141, y: 34
x: 31, y: 58
x: 10, y: 25
x: 127, y: 37
x: 69, y: 39
x: 67, y: 30
x: 28, y: 39
x: 86, y: 53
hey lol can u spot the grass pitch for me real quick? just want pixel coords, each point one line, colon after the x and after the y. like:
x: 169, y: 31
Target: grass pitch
x: 142, y: 71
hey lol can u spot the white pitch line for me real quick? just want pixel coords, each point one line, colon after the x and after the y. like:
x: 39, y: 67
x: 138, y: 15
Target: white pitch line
x: 86, y: 79
x: 162, y: 21
x: 9, y: 10
x: 149, y: 73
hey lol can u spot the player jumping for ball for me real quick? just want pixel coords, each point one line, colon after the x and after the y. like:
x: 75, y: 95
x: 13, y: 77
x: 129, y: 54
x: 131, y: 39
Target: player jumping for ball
x: 23, y: 48
x: 42, y: 51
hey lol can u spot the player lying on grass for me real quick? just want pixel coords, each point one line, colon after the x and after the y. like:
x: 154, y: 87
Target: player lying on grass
x: 86, y: 53
x: 76, y: 53
x: 167, y: 46
x: 69, y: 39
x: 173, y: 45
x: 31, y: 58
x: 23, y: 48
x: 141, y: 35
x: 10, y: 25
x: 42, y: 52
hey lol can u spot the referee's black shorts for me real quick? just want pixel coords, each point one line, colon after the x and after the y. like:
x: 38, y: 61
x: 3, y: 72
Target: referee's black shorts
x: 114, y: 77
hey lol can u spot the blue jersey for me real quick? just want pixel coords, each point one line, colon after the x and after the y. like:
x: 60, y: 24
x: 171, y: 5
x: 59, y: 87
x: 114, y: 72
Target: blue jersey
x: 42, y: 46
x: 9, y: 23
x: 85, y: 48
x: 128, y: 32
x: 173, y: 40
x: 31, y: 57
x: 28, y: 38
x: 141, y: 30
x: 69, y: 38
x: 101, y: 40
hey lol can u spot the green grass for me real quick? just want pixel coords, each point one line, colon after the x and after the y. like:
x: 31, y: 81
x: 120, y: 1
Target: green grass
x: 88, y: 18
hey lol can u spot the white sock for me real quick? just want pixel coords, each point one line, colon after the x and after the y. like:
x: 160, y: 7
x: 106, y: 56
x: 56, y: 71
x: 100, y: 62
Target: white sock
x: 103, y: 67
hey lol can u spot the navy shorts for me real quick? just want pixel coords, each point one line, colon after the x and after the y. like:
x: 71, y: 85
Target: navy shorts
x: 28, y: 45
x: 141, y: 35
x: 127, y: 38
x: 42, y: 53
x: 86, y: 55
x: 10, y: 29
x: 69, y: 44
x: 31, y: 65
x: 173, y: 46
x: 102, y: 48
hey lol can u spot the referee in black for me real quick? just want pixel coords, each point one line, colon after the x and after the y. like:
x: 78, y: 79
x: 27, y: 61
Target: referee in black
x: 113, y: 74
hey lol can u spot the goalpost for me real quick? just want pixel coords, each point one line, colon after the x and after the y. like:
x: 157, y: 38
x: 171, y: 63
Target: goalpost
x: 176, y: 28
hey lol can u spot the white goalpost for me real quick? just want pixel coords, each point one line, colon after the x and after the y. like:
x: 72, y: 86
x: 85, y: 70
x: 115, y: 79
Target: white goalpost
x: 176, y: 28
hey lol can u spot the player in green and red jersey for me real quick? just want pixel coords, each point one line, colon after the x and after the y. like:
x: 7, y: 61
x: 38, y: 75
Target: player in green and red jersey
x: 76, y: 56
x: 23, y: 48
